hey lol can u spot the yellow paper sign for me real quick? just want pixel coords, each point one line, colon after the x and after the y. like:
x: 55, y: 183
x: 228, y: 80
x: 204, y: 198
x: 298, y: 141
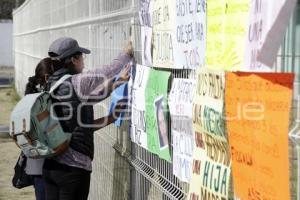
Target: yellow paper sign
x: 226, y: 33
x: 211, y: 157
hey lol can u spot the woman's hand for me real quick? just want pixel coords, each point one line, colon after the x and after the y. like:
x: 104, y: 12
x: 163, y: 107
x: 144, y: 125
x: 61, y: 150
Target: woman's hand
x: 124, y: 76
x: 125, y: 73
x: 129, y: 48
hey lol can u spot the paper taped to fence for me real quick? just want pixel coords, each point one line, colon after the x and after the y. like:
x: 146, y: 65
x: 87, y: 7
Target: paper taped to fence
x: 226, y: 33
x: 157, y: 113
x: 179, y: 33
x: 211, y: 157
x: 138, y: 107
x: 145, y: 16
x: 281, y: 11
x: 189, y: 31
x: 257, y: 115
x: 163, y: 16
x: 258, y: 25
x: 180, y: 105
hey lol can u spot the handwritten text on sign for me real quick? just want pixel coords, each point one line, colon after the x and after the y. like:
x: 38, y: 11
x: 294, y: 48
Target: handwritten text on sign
x: 180, y: 105
x: 256, y: 34
x: 163, y: 19
x: 226, y: 33
x: 257, y: 125
x: 190, y: 33
x: 211, y: 157
x: 146, y: 31
x: 157, y: 113
x: 138, y: 118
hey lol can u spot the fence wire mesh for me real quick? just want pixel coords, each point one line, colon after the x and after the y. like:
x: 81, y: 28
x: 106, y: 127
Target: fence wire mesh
x: 121, y: 169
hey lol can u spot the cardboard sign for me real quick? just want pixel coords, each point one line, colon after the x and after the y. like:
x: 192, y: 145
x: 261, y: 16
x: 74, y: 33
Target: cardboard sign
x: 259, y: 23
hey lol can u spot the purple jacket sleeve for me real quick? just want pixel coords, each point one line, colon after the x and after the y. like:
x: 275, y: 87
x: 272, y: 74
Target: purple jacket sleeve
x: 96, y: 84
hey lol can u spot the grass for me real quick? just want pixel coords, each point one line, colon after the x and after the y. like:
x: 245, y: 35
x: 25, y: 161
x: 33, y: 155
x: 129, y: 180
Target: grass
x: 9, y: 151
x: 8, y: 99
x: 7, y: 191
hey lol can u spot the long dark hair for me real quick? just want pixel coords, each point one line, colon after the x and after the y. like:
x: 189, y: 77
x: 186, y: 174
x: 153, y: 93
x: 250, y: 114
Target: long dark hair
x: 65, y: 62
x: 44, y: 69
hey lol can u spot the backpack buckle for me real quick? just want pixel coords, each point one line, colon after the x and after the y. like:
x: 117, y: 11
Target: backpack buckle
x: 14, y: 137
x: 26, y: 135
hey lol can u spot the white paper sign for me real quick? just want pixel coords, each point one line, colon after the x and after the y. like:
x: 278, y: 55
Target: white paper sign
x: 145, y: 16
x: 163, y: 14
x: 281, y: 13
x: 259, y: 22
x: 138, y: 118
x: 189, y: 33
x: 180, y: 105
x: 266, y: 30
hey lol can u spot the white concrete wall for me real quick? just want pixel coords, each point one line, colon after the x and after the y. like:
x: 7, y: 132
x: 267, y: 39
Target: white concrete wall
x: 6, y: 43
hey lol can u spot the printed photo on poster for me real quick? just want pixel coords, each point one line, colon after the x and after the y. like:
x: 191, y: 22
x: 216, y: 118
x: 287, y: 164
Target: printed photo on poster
x: 156, y: 113
x: 161, y: 122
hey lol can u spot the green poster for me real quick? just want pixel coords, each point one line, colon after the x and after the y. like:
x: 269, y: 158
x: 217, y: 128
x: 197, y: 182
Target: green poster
x: 157, y: 113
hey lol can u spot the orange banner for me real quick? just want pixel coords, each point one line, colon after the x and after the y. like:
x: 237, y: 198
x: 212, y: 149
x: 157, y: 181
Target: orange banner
x: 257, y: 116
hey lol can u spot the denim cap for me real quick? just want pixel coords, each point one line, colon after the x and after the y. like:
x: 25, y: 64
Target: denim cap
x: 64, y: 47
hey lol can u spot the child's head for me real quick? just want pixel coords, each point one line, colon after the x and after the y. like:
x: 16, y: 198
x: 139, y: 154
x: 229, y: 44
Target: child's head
x: 43, y: 70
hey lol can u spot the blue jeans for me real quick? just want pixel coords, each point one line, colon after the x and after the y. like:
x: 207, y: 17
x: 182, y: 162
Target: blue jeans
x: 39, y: 187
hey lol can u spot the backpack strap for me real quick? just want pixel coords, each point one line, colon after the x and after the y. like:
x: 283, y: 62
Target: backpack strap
x: 59, y: 82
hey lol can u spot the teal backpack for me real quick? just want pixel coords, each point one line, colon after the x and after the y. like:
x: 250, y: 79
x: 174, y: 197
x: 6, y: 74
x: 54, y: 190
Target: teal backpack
x: 35, y: 128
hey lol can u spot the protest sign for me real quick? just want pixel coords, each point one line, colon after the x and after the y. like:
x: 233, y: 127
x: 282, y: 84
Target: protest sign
x: 180, y: 105
x: 211, y: 157
x: 189, y: 34
x: 259, y: 22
x: 145, y: 16
x: 226, y: 33
x: 281, y: 12
x: 138, y: 107
x: 163, y: 16
x: 257, y: 121
x: 156, y: 113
